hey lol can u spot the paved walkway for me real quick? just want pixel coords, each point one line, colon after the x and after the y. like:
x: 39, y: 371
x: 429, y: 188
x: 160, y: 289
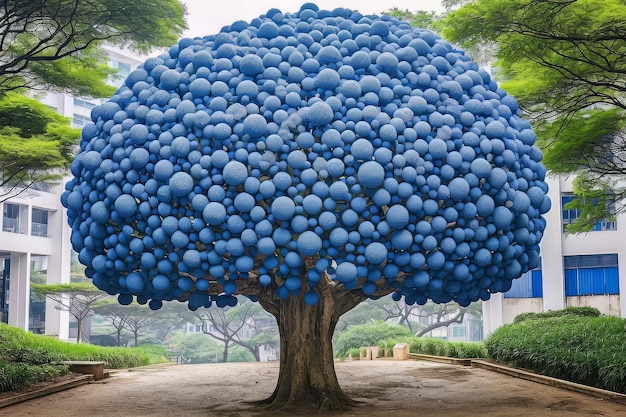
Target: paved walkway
x: 386, y: 388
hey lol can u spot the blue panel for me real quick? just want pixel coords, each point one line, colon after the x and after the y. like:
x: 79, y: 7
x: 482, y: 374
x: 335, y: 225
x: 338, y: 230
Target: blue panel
x: 612, y: 281
x: 599, y: 285
x: 571, y: 284
x: 537, y: 283
x: 521, y: 287
x: 585, y: 281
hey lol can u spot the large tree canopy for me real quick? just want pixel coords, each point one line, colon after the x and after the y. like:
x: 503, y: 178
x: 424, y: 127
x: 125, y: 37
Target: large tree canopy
x: 55, y: 45
x: 310, y: 161
x: 565, y: 62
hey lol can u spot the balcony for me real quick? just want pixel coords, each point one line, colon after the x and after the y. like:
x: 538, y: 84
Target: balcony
x: 10, y: 225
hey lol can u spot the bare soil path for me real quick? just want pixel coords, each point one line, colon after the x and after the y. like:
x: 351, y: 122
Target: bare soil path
x: 386, y: 388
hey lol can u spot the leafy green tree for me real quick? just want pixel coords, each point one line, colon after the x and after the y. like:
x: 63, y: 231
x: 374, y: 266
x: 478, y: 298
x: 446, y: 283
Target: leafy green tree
x: 419, y: 19
x: 564, y: 61
x: 368, y: 335
x: 78, y: 299
x: 194, y: 347
x: 228, y: 326
x: 115, y: 314
x: 55, y: 45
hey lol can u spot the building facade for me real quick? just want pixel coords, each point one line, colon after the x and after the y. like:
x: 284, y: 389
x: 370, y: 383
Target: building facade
x: 35, y: 234
x: 587, y: 269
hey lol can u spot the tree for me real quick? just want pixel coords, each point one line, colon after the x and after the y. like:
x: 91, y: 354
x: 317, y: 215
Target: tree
x: 564, y: 61
x: 194, y: 348
x: 78, y: 299
x: 55, y: 45
x: 116, y: 314
x: 309, y: 176
x: 228, y: 325
x: 370, y: 334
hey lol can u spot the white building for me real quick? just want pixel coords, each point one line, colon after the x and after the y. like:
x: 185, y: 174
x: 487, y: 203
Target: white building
x: 35, y: 233
x: 577, y: 269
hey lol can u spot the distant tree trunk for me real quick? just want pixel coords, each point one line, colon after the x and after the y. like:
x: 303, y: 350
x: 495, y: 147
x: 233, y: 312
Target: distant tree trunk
x: 225, y: 354
x: 307, y: 375
x: 79, y: 324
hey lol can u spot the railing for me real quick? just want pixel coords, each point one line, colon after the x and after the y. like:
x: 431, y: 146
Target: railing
x: 10, y: 225
x: 39, y: 229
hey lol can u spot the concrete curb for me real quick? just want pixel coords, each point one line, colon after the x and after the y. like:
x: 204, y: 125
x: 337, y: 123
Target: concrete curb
x: 547, y: 380
x: 76, y: 382
x: 527, y: 375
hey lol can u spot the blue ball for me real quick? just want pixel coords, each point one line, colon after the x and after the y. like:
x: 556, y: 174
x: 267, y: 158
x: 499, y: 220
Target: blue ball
x: 214, y: 213
x: 397, y: 216
x: 283, y: 208
x: 235, y: 173
x: 181, y: 184
x: 309, y: 243
x: 375, y: 253
x: 371, y: 174
x: 346, y: 272
x: 125, y: 205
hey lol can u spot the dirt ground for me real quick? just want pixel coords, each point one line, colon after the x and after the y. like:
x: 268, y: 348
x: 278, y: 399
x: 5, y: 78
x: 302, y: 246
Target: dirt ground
x: 385, y: 388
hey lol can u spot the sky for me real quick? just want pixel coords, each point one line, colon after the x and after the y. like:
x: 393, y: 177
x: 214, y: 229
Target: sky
x: 207, y: 17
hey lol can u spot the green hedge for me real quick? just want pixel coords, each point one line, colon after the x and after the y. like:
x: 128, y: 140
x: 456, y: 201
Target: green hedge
x: 440, y: 347
x: 587, y: 350
x: 26, y: 358
x: 568, y: 311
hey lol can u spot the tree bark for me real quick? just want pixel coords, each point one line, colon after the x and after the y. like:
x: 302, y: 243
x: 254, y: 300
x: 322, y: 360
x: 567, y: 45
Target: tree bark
x: 307, y: 377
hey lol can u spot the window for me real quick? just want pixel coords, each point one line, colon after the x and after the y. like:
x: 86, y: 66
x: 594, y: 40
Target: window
x: 11, y: 218
x: 458, y: 331
x: 122, y: 72
x: 79, y: 120
x: 570, y: 215
x: 39, y: 226
x: 529, y: 285
x: 84, y: 103
x: 591, y: 275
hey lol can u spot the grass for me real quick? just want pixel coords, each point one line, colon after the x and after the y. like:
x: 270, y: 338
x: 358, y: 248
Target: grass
x: 587, y: 350
x: 26, y: 358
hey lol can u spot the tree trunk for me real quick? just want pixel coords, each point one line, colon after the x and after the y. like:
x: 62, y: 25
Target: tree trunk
x: 225, y: 354
x: 307, y: 375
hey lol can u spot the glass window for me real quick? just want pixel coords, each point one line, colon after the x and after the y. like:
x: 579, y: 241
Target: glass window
x: 39, y: 226
x: 570, y: 215
x: 10, y: 217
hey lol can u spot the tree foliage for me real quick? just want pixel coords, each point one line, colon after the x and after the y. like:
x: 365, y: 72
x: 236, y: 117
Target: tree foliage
x: 56, y: 45
x: 77, y: 298
x: 368, y: 335
x: 564, y: 61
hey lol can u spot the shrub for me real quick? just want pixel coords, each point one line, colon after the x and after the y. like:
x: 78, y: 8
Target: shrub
x: 26, y: 358
x: 568, y: 311
x: 14, y: 376
x: 440, y: 347
x: 368, y: 335
x: 587, y: 350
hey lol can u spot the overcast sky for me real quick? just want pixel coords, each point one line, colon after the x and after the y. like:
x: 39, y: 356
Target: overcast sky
x: 206, y: 17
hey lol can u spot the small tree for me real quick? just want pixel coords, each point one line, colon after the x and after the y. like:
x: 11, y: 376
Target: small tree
x: 229, y: 324
x: 78, y: 299
x: 116, y: 314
